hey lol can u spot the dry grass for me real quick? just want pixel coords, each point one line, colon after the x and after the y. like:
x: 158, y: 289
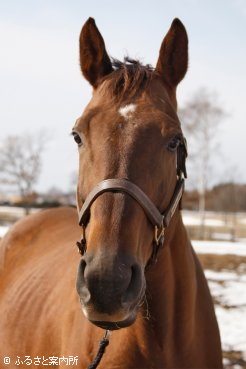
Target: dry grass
x: 223, y: 262
x: 235, y: 360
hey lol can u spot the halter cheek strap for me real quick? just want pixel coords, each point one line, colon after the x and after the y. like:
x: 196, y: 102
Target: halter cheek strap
x: 159, y: 220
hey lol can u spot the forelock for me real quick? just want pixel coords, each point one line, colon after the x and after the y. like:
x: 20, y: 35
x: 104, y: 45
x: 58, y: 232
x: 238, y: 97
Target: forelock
x: 129, y: 79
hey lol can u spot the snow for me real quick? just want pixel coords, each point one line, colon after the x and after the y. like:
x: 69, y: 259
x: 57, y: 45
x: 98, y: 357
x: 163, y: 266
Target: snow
x: 221, y: 276
x: 222, y: 236
x: 196, y: 220
x: 3, y: 230
x: 212, y: 219
x: 220, y: 247
x: 229, y: 288
x: 232, y: 329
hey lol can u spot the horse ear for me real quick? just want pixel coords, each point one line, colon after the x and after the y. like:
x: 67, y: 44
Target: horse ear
x: 173, y: 58
x: 94, y: 60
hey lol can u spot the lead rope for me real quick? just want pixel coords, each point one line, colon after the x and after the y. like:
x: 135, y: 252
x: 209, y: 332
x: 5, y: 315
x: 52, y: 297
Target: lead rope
x: 102, y: 347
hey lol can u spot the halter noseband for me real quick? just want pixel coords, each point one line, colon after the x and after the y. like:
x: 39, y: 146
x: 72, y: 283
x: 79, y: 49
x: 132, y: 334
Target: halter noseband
x: 159, y: 220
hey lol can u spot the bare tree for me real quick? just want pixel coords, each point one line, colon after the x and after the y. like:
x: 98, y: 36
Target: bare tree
x: 20, y: 163
x: 201, y: 117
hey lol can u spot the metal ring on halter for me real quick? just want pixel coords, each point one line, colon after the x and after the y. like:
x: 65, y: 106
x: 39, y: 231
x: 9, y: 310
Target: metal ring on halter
x: 82, y: 244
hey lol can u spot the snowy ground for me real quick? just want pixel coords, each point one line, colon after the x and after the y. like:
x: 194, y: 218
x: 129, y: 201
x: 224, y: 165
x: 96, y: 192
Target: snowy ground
x: 220, y: 247
x: 229, y: 290
x: 212, y: 219
x: 216, y: 226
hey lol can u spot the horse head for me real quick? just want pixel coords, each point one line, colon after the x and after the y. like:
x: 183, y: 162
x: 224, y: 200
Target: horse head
x: 129, y: 131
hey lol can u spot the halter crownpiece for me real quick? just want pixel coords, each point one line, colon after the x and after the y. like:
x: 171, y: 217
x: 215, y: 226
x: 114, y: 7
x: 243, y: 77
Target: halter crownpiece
x: 159, y: 220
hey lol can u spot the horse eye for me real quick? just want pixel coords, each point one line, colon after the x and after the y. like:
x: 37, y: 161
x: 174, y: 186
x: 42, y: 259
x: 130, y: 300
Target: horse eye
x: 173, y: 144
x: 77, y: 138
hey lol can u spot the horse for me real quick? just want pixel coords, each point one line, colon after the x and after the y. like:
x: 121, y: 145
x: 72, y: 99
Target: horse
x: 136, y: 274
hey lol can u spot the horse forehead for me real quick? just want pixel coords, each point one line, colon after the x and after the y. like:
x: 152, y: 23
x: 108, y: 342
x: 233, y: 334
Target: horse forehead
x: 148, y: 110
x: 130, y: 121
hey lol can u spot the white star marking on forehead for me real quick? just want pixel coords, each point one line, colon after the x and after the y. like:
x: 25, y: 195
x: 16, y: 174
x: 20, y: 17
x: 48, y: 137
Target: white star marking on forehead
x: 127, y: 110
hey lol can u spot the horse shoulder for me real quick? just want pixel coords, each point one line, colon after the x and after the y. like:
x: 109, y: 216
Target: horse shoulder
x: 38, y: 233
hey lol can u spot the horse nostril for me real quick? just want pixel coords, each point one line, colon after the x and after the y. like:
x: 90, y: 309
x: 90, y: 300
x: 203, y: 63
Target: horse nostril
x: 134, y: 288
x: 85, y: 295
x: 81, y: 286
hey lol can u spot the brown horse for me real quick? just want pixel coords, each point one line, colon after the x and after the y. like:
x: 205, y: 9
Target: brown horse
x: 132, y: 157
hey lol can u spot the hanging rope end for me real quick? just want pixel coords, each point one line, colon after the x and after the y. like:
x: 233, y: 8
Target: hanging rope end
x: 102, y: 347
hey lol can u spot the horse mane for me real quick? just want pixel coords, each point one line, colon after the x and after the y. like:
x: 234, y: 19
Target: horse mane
x: 129, y: 78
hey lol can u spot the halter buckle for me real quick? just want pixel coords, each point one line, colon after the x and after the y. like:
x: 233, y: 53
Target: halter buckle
x: 158, y: 234
x: 158, y: 242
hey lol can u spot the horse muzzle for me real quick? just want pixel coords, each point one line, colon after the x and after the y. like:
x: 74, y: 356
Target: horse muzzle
x: 110, y: 290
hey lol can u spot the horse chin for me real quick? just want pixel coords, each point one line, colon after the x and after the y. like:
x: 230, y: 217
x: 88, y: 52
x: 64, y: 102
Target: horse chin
x: 112, y: 326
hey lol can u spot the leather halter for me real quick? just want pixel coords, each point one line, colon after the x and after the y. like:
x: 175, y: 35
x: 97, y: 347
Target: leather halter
x: 159, y: 220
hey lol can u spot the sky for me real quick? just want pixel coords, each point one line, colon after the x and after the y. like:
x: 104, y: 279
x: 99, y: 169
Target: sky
x: 42, y: 89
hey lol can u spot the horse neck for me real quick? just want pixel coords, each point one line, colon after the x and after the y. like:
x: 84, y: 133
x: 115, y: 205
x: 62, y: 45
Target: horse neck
x: 171, y: 284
